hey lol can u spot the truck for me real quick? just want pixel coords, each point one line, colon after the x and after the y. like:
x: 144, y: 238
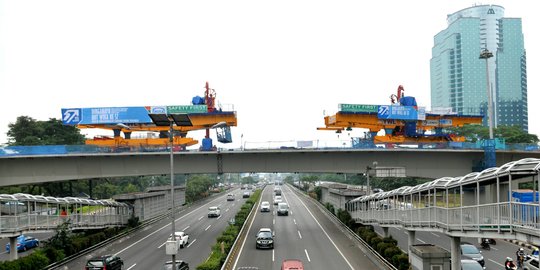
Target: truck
x: 181, y: 238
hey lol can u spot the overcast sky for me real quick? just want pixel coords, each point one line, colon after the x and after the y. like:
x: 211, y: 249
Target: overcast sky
x: 283, y: 65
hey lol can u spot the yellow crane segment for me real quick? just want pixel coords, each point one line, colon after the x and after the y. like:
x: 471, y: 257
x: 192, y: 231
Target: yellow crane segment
x: 199, y: 121
x: 403, y: 121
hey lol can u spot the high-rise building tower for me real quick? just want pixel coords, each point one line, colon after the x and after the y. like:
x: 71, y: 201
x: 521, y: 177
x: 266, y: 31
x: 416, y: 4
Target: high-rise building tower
x: 458, y: 75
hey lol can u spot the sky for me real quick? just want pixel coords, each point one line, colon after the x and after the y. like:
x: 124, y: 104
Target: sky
x: 281, y: 65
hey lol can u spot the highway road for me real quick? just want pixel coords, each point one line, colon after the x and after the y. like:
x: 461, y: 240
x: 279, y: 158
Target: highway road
x: 494, y: 257
x: 306, y: 234
x: 145, y: 249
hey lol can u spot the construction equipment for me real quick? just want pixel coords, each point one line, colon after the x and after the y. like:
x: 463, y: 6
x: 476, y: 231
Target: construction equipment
x: 403, y: 121
x: 201, y: 114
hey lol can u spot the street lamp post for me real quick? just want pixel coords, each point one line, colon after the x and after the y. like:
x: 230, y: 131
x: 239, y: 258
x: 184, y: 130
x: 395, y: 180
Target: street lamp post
x: 171, y: 140
x: 485, y: 54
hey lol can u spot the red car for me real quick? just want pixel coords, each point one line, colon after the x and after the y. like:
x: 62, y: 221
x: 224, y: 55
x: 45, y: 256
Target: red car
x: 292, y: 265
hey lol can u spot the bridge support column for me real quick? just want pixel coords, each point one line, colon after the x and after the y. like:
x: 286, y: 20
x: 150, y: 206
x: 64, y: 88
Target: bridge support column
x: 13, y: 252
x: 455, y: 253
x: 412, y: 235
x: 385, y: 232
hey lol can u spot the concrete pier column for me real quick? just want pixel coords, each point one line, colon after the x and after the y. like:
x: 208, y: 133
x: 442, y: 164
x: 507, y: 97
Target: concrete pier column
x: 13, y: 253
x: 412, y: 236
x: 455, y: 253
x: 385, y: 232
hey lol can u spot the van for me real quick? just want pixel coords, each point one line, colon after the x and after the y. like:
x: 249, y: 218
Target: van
x: 292, y: 265
x: 283, y: 209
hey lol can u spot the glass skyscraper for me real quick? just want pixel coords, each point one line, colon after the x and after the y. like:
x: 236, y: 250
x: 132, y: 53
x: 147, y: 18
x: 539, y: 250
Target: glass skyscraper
x: 458, y: 75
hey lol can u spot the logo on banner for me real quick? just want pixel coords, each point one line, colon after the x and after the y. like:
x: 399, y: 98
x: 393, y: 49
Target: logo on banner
x: 71, y: 116
x: 158, y: 110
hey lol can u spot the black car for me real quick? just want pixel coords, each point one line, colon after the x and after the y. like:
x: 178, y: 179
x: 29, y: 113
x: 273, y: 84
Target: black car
x: 180, y: 265
x: 265, y: 239
x: 469, y: 251
x: 109, y: 262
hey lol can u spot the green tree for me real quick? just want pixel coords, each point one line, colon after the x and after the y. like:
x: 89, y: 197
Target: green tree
x: 248, y: 180
x: 197, y: 187
x: 28, y: 131
x: 511, y: 134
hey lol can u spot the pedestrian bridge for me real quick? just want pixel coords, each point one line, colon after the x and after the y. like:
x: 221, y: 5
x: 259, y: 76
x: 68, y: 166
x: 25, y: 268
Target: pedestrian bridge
x: 21, y: 213
x: 487, y: 204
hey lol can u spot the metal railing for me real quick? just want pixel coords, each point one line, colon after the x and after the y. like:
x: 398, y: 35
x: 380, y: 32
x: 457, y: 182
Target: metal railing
x: 501, y: 217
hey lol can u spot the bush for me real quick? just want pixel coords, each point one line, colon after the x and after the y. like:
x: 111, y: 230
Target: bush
x: 373, y: 242
x: 382, y: 246
x: 390, y: 240
x: 401, y: 262
x: 390, y: 252
x: 35, y: 260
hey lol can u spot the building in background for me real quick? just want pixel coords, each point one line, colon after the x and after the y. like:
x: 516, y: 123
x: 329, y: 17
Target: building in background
x: 458, y: 75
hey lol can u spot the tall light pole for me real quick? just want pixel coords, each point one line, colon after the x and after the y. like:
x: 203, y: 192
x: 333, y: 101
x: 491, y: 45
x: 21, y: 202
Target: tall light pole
x: 485, y: 54
x: 171, y: 140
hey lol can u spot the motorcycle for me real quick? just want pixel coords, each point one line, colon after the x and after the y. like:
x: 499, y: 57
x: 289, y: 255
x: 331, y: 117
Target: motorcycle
x: 485, y: 244
x: 490, y: 240
x: 510, y: 267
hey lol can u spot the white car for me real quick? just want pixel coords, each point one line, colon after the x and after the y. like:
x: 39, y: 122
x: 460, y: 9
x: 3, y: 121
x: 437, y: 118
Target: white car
x: 265, y: 206
x: 182, y: 237
x: 214, y: 211
x: 282, y: 209
x: 277, y: 199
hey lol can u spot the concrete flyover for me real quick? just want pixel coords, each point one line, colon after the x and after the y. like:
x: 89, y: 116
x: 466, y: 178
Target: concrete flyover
x: 18, y: 170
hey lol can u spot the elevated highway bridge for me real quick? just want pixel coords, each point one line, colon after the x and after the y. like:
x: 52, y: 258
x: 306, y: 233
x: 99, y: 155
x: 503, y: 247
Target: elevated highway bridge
x: 428, y: 163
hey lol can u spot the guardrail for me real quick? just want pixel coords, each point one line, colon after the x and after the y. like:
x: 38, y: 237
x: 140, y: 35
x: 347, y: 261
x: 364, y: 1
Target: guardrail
x: 374, y: 255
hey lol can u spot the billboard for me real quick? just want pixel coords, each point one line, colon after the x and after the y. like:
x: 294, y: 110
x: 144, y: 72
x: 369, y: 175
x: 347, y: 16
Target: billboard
x: 125, y: 115
x: 105, y: 115
x: 358, y: 108
x: 401, y: 112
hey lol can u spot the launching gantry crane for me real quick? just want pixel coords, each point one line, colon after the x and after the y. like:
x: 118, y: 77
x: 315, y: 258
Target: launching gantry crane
x: 403, y: 121
x: 202, y: 114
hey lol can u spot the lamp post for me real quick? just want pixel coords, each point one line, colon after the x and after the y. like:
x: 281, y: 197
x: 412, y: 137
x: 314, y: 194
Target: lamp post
x: 171, y: 140
x: 485, y: 54
x: 168, y: 120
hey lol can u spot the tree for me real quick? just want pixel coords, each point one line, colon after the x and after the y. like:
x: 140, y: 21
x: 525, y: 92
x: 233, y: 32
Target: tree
x: 511, y: 134
x: 28, y: 131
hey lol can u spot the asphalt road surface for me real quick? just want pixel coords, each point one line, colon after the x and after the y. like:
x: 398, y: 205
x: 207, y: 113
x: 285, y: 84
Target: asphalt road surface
x: 145, y: 249
x: 306, y: 234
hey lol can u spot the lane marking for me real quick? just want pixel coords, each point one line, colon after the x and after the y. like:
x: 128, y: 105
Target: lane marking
x: 165, y: 226
x: 294, y: 220
x: 299, y: 235
x: 162, y: 244
x: 273, y: 255
x: 191, y: 243
x: 186, y: 228
x: 436, y: 234
x: 494, y: 248
x: 420, y: 240
x: 131, y: 266
x: 274, y: 221
x: 208, y: 227
x: 201, y: 217
x: 325, y: 233
x: 226, y: 210
x: 218, y: 217
x: 497, y: 263
x: 307, y: 255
